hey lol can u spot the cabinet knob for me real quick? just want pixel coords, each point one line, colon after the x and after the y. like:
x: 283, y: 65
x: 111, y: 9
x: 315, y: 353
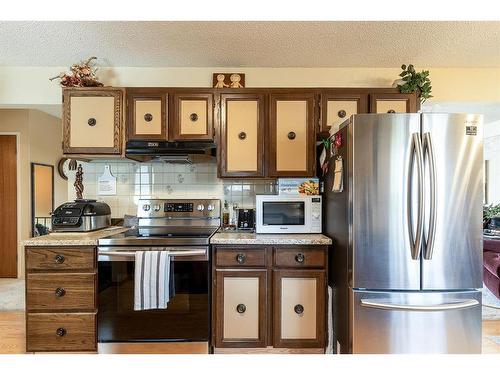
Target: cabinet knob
x: 61, y: 332
x: 341, y: 113
x: 193, y: 117
x: 299, y: 309
x: 92, y: 121
x: 59, y: 258
x: 241, y: 308
x: 148, y: 117
x: 391, y: 111
x: 60, y: 292
x: 292, y: 135
x: 242, y: 135
x: 300, y: 258
x: 241, y: 258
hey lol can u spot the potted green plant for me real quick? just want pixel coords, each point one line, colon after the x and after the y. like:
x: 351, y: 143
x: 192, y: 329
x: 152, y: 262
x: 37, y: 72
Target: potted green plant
x: 413, y: 81
x: 491, y: 216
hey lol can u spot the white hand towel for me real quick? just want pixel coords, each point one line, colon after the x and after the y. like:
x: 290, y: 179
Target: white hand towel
x: 152, y: 278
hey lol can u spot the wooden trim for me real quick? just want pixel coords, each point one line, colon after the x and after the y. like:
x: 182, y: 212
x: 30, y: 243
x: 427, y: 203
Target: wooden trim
x: 222, y: 149
x: 319, y: 342
x: 411, y: 100
x: 153, y: 348
x: 310, y: 170
x: 118, y: 95
x: 269, y: 350
x: 175, y: 122
x: 262, y: 275
x: 133, y: 95
x: 340, y: 95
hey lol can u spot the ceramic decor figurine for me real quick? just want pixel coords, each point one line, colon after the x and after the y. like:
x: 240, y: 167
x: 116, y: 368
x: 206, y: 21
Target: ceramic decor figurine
x: 235, y: 81
x: 220, y: 81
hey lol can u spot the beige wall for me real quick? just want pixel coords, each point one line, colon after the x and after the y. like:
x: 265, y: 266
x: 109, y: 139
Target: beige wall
x: 39, y: 140
x: 449, y: 84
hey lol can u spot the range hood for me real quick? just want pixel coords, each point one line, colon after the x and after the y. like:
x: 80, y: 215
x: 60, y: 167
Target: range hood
x: 169, y: 152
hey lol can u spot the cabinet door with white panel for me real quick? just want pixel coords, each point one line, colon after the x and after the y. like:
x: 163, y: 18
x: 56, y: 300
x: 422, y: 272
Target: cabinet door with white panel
x: 147, y: 114
x: 241, y: 305
x: 299, y: 308
x: 393, y: 103
x: 93, y: 121
x: 242, y: 135
x: 291, y: 135
x: 338, y: 106
x: 192, y: 116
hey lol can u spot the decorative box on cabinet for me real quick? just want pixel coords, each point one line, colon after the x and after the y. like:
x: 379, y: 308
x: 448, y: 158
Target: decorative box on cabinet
x: 192, y: 116
x: 93, y: 121
x: 147, y: 114
x: 291, y: 135
x: 242, y: 126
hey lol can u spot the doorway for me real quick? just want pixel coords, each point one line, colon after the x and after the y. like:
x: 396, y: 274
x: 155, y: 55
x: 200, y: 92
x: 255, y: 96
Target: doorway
x: 8, y: 206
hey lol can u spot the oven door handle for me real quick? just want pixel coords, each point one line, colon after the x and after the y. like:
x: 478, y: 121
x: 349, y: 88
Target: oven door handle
x: 175, y: 252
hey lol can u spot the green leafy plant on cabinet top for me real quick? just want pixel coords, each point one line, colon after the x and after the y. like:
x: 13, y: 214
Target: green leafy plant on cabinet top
x: 413, y: 81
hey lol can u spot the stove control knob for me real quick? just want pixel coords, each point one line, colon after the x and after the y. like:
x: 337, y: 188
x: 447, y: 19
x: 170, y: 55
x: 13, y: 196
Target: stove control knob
x: 146, y: 207
x: 210, y: 207
x: 157, y: 207
x: 200, y: 207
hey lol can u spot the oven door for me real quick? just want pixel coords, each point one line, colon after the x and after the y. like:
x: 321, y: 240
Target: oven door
x: 187, y: 317
x: 278, y: 214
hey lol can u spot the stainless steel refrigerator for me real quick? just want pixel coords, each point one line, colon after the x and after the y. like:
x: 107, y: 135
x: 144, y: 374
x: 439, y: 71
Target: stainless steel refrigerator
x: 407, y: 228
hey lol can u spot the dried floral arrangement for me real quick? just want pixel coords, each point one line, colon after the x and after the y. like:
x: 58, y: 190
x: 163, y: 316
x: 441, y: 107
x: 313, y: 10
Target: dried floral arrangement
x: 82, y: 75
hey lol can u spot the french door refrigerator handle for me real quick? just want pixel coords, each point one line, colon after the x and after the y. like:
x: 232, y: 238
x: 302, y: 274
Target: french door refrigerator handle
x: 415, y: 151
x: 375, y: 304
x: 429, y: 246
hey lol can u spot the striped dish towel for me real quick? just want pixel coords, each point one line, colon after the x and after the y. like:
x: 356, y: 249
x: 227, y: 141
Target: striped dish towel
x: 152, y: 280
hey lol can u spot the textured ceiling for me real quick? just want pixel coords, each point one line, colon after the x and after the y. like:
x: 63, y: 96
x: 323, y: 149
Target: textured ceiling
x: 252, y: 44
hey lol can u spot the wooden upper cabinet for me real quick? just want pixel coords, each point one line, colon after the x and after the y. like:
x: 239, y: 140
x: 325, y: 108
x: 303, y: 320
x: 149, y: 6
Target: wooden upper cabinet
x: 93, y: 120
x: 192, y: 116
x: 147, y: 115
x: 291, y: 135
x: 393, y: 103
x: 338, y: 106
x: 242, y: 135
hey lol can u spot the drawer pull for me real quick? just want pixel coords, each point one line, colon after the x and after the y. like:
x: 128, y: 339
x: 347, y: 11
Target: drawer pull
x: 61, y: 332
x: 193, y: 117
x: 291, y: 136
x: 60, y: 292
x: 241, y: 258
x: 241, y: 308
x: 391, y: 111
x: 242, y: 135
x: 59, y: 258
x: 300, y: 258
x: 341, y: 113
x: 92, y: 121
x: 148, y: 117
x: 299, y: 309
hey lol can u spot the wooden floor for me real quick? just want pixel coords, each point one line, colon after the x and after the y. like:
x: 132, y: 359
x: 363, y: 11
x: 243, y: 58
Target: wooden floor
x: 13, y: 331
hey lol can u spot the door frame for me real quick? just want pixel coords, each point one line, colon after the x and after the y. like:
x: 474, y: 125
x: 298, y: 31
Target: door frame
x: 20, y: 267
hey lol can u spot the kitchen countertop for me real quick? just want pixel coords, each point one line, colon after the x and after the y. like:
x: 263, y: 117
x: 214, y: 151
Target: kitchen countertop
x: 242, y: 238
x: 73, y: 239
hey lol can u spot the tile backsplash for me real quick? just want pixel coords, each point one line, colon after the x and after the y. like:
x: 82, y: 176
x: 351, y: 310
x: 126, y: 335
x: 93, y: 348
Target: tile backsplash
x: 169, y: 181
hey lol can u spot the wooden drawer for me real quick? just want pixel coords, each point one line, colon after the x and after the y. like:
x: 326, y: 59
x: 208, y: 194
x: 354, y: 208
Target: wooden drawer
x: 298, y: 257
x: 59, y: 291
x: 61, y: 332
x: 60, y: 258
x: 240, y: 257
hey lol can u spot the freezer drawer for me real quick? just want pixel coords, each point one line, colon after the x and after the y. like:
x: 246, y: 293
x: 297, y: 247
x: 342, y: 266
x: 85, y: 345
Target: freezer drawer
x: 415, y: 322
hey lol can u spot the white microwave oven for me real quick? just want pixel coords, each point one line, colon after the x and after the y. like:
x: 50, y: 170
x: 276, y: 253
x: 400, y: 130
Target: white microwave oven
x: 288, y: 214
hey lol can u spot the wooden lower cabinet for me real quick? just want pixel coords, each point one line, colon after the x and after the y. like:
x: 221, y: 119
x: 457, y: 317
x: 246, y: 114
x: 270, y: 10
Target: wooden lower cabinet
x: 299, y: 308
x: 61, y: 299
x: 61, y: 332
x: 270, y: 300
x: 241, y: 308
